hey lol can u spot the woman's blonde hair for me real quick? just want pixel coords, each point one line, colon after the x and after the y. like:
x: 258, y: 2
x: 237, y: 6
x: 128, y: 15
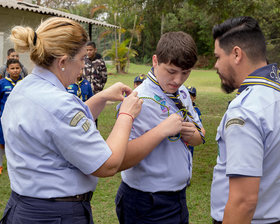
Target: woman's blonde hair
x: 55, y: 37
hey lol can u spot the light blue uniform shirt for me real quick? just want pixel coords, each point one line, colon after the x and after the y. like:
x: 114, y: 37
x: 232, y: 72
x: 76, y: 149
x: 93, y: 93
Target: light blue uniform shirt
x: 249, y: 145
x: 168, y: 167
x: 52, y: 144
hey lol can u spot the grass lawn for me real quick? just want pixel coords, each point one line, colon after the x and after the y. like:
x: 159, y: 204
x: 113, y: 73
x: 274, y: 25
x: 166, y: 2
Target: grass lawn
x: 212, y: 103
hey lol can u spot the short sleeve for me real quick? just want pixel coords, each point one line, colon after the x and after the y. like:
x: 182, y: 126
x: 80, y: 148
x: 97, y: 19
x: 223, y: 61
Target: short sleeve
x: 244, y: 143
x: 80, y: 143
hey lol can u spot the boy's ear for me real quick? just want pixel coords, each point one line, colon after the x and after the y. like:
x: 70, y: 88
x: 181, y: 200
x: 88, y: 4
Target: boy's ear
x: 155, y: 61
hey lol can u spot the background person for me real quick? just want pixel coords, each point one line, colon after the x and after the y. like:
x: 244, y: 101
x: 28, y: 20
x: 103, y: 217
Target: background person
x: 138, y: 80
x: 192, y: 92
x: 95, y: 70
x: 245, y: 186
x: 6, y: 86
x: 81, y: 88
x: 11, y: 53
x: 54, y: 151
x: 154, y: 189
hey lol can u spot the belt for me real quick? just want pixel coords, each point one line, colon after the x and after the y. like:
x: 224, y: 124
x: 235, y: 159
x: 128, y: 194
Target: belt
x: 218, y: 222
x: 77, y: 198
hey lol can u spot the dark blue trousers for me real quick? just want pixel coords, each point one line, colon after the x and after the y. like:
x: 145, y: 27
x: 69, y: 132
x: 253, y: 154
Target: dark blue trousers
x: 27, y: 210
x: 138, y: 207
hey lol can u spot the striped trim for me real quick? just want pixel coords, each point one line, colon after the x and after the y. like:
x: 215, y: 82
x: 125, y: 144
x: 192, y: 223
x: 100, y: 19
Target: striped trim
x: 176, y: 99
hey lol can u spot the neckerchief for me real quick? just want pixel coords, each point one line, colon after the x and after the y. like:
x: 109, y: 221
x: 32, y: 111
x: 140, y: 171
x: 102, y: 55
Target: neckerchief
x: 176, y: 99
x: 79, y: 91
x: 266, y: 76
x: 12, y: 81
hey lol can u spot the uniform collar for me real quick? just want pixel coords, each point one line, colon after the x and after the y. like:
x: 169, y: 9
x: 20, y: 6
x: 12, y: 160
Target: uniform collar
x: 266, y: 76
x: 48, y: 76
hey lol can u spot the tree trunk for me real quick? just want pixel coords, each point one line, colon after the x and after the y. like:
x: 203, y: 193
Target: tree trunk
x: 117, y: 62
x: 129, y: 46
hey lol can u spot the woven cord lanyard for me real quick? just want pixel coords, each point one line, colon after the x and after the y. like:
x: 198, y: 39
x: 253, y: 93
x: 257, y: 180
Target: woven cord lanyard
x: 175, y: 98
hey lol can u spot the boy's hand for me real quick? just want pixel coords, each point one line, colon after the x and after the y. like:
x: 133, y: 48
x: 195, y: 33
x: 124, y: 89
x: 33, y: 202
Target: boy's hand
x: 187, y: 131
x: 172, y: 125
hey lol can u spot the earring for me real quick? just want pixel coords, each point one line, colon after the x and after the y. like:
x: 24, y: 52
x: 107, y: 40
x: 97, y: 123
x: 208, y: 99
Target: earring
x: 63, y: 69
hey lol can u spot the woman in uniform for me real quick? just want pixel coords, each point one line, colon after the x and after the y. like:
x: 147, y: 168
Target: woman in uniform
x: 54, y: 151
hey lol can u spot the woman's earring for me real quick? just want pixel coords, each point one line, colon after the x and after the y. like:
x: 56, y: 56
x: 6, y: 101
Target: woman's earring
x: 63, y: 69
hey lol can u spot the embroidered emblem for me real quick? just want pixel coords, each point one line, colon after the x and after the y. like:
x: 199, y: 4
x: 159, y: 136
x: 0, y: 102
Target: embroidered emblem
x: 184, y: 94
x: 157, y: 98
x: 274, y: 74
x: 236, y: 121
x: 163, y: 106
x: 75, y: 120
x: 86, y: 125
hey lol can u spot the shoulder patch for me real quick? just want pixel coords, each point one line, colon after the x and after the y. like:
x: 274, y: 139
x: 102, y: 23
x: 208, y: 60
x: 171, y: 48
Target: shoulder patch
x: 86, y: 125
x: 75, y: 120
x: 236, y: 121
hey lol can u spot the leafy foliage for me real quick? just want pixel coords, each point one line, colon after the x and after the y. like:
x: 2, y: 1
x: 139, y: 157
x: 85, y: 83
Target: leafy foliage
x: 196, y: 17
x: 123, y: 53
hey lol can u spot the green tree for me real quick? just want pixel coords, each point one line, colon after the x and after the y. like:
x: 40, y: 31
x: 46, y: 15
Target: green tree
x: 124, y: 53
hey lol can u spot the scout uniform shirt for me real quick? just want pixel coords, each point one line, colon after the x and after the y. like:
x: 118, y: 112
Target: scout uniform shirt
x: 57, y: 145
x: 81, y: 89
x: 249, y: 145
x: 168, y: 167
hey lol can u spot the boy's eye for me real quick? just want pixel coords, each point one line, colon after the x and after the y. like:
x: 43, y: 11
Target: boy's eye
x: 171, y: 72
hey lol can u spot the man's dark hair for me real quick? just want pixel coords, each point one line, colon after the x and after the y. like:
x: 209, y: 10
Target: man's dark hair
x: 91, y: 43
x: 177, y: 48
x: 243, y: 32
x: 12, y: 61
x: 11, y: 50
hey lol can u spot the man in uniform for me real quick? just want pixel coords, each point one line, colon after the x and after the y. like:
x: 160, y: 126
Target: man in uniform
x: 95, y: 70
x: 245, y: 187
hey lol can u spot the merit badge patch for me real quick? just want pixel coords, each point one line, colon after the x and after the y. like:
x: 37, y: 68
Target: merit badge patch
x: 157, y: 98
x: 236, y: 121
x: 86, y: 125
x: 75, y: 120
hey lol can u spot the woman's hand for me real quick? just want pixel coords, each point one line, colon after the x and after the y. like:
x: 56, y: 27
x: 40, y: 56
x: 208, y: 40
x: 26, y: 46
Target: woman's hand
x: 116, y: 92
x: 131, y: 105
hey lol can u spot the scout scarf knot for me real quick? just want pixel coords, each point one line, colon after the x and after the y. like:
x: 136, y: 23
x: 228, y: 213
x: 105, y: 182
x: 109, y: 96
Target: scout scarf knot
x: 176, y: 99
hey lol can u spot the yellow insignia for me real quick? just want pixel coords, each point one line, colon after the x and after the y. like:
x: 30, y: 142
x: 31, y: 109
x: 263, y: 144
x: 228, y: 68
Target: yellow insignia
x: 86, y: 125
x: 75, y: 120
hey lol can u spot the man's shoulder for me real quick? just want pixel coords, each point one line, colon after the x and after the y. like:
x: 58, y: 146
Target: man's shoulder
x: 98, y: 61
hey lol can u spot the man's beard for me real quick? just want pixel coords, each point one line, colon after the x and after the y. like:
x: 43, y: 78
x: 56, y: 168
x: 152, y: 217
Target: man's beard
x: 228, y: 85
x: 227, y: 88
